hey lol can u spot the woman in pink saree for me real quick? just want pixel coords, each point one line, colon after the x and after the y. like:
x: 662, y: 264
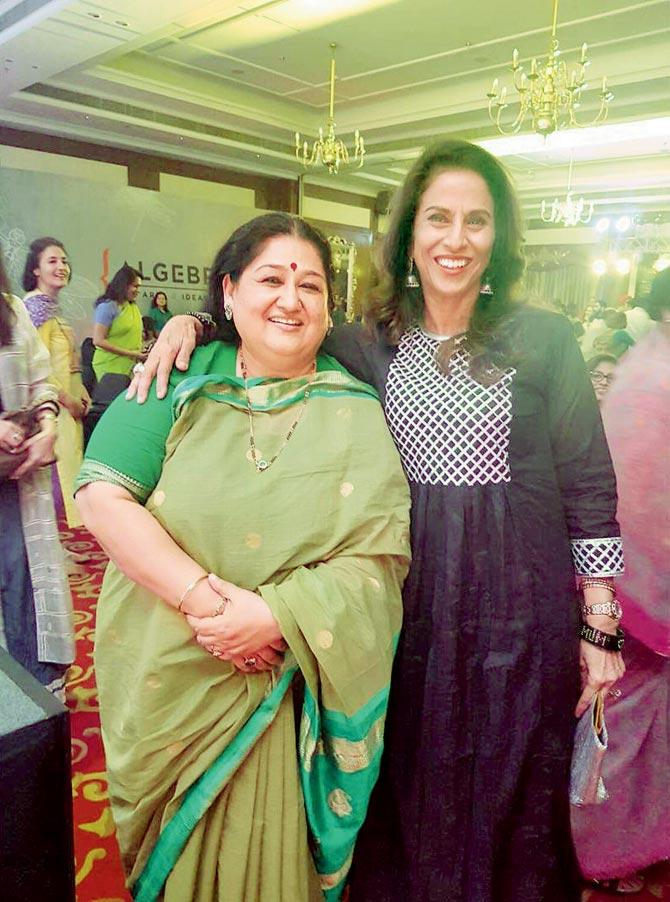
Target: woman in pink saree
x: 635, y: 822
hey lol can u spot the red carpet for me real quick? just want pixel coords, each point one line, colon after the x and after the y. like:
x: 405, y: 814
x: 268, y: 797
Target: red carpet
x: 98, y: 867
x: 99, y: 874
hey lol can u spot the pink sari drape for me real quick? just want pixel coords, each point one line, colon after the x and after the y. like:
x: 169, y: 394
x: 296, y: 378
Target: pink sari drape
x: 636, y: 414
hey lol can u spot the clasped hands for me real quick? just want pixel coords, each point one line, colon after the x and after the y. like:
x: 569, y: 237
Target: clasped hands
x: 244, y: 633
x: 40, y: 447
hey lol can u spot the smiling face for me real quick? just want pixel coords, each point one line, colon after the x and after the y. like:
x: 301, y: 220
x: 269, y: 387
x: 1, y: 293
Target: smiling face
x: 160, y: 300
x: 453, y: 236
x: 280, y: 307
x: 133, y: 289
x: 53, y: 270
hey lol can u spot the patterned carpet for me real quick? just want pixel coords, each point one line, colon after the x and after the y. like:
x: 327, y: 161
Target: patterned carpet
x: 99, y: 874
x: 98, y: 867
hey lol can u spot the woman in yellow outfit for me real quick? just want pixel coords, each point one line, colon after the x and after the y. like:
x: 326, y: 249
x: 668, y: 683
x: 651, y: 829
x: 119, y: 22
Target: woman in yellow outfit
x: 46, y: 272
x: 117, y: 327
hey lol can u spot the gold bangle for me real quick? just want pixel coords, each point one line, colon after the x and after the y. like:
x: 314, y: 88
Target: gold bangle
x: 599, y: 582
x: 187, y: 591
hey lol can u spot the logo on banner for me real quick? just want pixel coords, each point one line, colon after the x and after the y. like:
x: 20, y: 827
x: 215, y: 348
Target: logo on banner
x: 185, y: 281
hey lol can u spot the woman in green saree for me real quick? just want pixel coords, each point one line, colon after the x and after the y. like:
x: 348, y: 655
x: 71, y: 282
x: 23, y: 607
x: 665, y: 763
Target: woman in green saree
x: 117, y: 325
x: 258, y: 467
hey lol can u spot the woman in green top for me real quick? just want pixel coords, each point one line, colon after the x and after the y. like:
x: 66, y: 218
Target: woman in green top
x: 158, y: 311
x: 270, y: 466
x: 117, y: 327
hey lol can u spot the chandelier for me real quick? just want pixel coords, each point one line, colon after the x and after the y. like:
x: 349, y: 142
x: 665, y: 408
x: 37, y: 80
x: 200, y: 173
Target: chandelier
x: 570, y: 212
x: 328, y: 149
x: 548, y: 94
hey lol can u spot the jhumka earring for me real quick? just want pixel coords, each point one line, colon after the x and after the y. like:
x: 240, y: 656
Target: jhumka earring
x: 411, y: 281
x: 228, y: 311
x: 486, y: 288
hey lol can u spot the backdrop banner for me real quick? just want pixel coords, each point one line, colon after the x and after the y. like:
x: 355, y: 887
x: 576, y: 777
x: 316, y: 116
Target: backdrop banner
x: 172, y: 240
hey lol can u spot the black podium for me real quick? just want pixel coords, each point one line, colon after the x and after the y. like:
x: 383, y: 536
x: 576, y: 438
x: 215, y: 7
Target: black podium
x: 36, y: 839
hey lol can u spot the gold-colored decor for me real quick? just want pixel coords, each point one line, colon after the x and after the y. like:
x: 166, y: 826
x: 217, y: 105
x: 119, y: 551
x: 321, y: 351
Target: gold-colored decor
x: 548, y: 94
x: 343, y: 255
x: 569, y: 211
x: 329, y: 150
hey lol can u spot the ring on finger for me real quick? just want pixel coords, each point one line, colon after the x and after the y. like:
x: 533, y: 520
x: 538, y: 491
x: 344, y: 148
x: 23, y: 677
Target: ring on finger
x: 615, y: 693
x: 250, y: 661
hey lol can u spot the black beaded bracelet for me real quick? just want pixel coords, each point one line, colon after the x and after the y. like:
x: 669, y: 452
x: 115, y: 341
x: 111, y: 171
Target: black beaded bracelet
x: 603, y: 640
x: 206, y: 321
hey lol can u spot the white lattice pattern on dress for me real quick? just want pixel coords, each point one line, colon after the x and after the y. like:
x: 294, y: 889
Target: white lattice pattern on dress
x: 598, y: 557
x: 450, y: 430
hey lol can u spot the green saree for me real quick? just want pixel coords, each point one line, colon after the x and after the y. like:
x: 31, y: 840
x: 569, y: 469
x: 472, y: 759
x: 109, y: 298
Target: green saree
x: 216, y: 794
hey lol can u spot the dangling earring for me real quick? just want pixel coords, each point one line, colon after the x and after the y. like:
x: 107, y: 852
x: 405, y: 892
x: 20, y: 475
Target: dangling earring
x: 486, y: 288
x: 411, y: 281
x: 330, y: 326
x: 228, y: 311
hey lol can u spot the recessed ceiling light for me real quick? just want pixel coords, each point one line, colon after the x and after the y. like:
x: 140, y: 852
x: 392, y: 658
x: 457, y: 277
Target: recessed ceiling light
x: 121, y: 23
x: 94, y: 15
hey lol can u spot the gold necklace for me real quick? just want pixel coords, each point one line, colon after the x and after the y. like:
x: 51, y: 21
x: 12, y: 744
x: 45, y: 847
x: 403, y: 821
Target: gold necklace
x: 259, y: 462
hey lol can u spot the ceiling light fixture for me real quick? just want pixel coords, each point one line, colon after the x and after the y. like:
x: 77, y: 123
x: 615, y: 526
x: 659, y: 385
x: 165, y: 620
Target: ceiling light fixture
x: 329, y: 150
x: 570, y: 212
x: 548, y: 94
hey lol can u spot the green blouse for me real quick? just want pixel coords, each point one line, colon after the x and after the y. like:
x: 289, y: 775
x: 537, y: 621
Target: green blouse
x: 136, y: 465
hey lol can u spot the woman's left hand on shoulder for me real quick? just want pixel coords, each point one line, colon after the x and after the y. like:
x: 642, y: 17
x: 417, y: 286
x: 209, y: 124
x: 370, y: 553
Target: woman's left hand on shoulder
x: 600, y: 670
x: 245, y: 626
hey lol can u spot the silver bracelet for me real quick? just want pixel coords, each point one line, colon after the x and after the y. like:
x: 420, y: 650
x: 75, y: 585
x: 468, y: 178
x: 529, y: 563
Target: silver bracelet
x: 610, y: 609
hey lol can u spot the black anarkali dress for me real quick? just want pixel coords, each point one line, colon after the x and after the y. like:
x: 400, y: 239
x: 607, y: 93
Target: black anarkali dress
x: 512, y: 494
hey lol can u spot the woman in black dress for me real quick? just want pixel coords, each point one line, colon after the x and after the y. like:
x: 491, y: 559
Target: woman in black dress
x: 513, y: 494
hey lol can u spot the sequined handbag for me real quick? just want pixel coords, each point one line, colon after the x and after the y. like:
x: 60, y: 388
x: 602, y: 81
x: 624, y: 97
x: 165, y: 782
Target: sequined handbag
x: 586, y: 782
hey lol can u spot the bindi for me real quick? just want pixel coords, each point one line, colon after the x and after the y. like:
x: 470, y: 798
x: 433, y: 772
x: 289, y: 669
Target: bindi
x: 294, y: 266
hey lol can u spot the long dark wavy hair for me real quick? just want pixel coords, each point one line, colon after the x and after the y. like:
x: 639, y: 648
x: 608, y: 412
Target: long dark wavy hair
x: 242, y: 248
x: 397, y: 308
x: 7, y: 315
x: 117, y: 288
x: 35, y: 251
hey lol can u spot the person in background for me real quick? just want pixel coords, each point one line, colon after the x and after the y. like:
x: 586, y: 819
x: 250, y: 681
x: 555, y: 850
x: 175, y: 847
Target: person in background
x: 117, y: 327
x: 47, y: 271
x: 149, y: 333
x: 636, y: 771
x: 36, y: 620
x: 638, y: 320
x: 578, y: 329
x: 158, y: 311
x: 594, y: 327
x: 615, y: 322
x: 601, y: 371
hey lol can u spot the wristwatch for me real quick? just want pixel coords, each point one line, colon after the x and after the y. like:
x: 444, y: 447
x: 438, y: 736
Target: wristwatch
x: 603, y: 640
x: 610, y: 608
